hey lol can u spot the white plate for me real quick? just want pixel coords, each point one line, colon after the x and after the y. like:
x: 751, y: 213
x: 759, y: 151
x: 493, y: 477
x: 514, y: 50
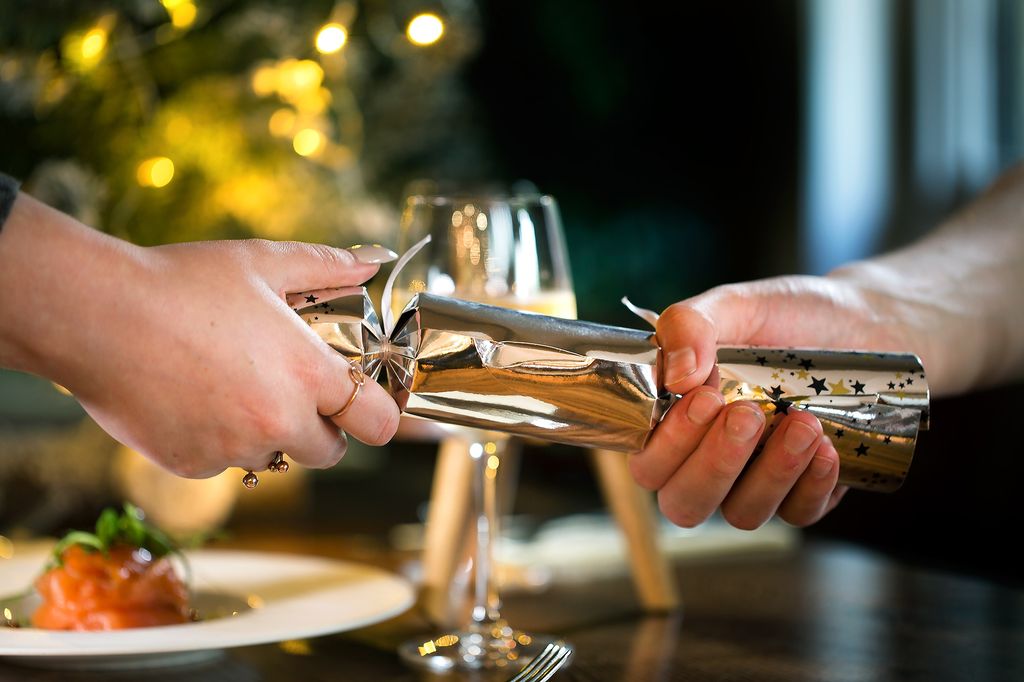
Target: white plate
x: 288, y: 597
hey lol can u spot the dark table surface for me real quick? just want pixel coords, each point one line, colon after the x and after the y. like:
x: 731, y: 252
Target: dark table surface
x: 820, y: 611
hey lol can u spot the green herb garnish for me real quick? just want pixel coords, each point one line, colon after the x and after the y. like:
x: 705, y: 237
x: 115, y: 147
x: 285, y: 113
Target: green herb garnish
x: 113, y: 529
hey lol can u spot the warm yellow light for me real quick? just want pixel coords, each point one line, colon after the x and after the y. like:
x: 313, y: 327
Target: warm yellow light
x: 178, y: 128
x: 296, y: 647
x: 264, y: 81
x: 183, y: 14
x: 282, y: 122
x: 331, y: 38
x: 311, y: 101
x: 294, y: 80
x: 155, y: 172
x: 93, y: 44
x: 301, y: 76
x: 169, y: 5
x: 425, y: 29
x: 308, y: 142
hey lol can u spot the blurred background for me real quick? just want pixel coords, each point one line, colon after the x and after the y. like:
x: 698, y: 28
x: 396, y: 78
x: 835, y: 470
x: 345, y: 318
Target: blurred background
x: 688, y: 145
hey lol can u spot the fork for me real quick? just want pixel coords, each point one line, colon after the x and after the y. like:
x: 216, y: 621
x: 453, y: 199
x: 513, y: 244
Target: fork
x: 546, y: 664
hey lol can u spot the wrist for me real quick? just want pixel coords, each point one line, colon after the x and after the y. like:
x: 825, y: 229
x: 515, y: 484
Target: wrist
x: 914, y: 317
x: 59, y: 280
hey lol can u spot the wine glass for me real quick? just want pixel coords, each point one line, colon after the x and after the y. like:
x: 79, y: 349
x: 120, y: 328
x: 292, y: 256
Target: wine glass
x: 505, y: 250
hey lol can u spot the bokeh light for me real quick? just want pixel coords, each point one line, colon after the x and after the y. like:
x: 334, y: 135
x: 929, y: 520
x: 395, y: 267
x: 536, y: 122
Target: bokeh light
x: 93, y: 44
x: 425, y: 29
x: 282, y: 122
x: 157, y: 171
x: 308, y: 142
x: 182, y: 12
x: 85, y: 49
x: 331, y: 38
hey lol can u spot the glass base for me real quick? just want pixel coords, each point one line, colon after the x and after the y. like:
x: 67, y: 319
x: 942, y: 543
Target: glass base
x: 505, y: 652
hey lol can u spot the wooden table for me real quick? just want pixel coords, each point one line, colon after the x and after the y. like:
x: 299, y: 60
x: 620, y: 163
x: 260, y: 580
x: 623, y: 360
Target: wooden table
x: 823, y: 611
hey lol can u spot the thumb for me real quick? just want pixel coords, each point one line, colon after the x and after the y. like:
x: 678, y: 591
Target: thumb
x: 300, y: 266
x: 689, y: 333
x: 687, y: 338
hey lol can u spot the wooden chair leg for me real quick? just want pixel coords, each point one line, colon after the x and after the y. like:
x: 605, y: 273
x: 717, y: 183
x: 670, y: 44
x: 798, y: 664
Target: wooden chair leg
x: 446, y: 529
x: 634, y: 510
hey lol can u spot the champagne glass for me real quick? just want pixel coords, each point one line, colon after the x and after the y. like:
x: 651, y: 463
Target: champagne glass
x: 505, y: 250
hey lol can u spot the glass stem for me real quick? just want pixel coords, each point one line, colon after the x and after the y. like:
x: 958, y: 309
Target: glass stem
x: 486, y: 599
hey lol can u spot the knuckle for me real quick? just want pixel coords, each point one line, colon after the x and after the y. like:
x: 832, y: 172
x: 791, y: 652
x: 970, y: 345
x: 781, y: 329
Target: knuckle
x: 258, y: 244
x: 254, y: 247
x: 325, y: 458
x: 675, y: 312
x: 261, y: 420
x: 728, y: 463
x: 726, y: 295
x: 385, y: 428
x: 330, y: 256
x: 271, y: 427
x: 682, y: 315
x: 785, y: 469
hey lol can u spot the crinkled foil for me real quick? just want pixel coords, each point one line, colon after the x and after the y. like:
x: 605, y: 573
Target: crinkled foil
x: 349, y: 324
x: 599, y: 386
x: 871, y: 405
x: 534, y: 375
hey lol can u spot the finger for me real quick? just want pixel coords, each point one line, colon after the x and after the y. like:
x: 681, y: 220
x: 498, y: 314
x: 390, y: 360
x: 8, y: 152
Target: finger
x: 299, y: 266
x: 815, y: 493
x: 317, y: 444
x: 737, y: 311
x: 303, y: 299
x: 774, y: 472
x: 698, y: 487
x: 836, y: 497
x: 678, y: 434
x: 691, y: 330
x: 688, y: 338
x: 365, y: 412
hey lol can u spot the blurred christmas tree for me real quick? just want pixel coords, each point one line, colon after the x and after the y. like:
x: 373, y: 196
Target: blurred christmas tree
x: 172, y: 120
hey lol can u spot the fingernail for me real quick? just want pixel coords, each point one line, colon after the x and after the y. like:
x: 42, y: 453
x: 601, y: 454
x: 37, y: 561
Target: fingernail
x: 822, y: 466
x: 704, y: 407
x: 799, y: 437
x: 372, y: 253
x: 743, y: 423
x: 679, y: 364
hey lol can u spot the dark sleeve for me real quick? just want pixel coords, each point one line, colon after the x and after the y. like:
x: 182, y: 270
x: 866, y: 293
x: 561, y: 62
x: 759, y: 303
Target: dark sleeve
x: 8, y: 193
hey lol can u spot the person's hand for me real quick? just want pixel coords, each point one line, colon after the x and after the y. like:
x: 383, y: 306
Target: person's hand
x: 699, y: 458
x: 952, y: 298
x: 200, y: 364
x: 187, y: 353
